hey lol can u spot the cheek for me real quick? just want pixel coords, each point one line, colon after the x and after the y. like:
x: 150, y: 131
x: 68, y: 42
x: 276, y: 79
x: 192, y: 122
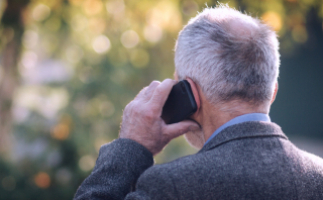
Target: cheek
x: 195, y: 139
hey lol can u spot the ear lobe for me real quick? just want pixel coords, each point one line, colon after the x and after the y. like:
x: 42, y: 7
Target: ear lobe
x: 195, y: 93
x: 275, y: 93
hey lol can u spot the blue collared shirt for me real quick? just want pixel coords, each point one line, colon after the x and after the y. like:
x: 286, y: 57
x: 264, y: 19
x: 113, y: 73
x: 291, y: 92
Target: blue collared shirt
x: 243, y: 118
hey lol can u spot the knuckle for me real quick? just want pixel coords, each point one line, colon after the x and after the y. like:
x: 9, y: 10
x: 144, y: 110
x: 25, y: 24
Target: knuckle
x: 144, y: 89
x: 128, y: 107
x: 149, y: 115
x: 154, y: 108
x: 169, y: 80
x: 157, y: 90
x: 155, y: 82
x: 137, y: 110
x: 131, y: 107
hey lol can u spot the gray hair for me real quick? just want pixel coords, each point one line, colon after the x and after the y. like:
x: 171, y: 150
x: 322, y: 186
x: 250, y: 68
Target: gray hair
x: 229, y: 54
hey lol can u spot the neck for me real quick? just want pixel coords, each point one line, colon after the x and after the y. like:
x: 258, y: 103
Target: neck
x: 211, y: 116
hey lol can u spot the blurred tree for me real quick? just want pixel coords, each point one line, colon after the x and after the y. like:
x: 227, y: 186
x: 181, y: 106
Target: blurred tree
x: 12, y: 28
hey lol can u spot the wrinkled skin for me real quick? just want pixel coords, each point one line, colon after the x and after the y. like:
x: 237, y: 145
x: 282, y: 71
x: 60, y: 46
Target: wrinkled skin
x: 142, y: 123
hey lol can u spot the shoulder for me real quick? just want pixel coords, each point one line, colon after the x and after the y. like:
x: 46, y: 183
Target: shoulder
x: 312, y: 162
x: 156, y: 183
x: 309, y: 174
x: 172, y: 174
x: 300, y: 157
x: 179, y: 166
x: 168, y: 170
x: 162, y: 179
x: 306, y: 167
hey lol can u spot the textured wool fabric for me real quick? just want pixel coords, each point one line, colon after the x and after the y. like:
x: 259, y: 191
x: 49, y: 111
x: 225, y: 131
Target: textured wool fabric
x: 250, y: 160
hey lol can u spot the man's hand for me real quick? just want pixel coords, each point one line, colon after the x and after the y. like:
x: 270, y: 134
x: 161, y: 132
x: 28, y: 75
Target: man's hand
x: 142, y: 123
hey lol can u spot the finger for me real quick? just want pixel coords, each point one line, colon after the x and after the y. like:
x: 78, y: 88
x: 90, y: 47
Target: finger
x: 161, y: 93
x: 141, y: 94
x: 180, y: 128
x: 150, y: 90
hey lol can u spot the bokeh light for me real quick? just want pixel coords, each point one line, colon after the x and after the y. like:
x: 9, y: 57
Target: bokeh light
x: 92, y: 7
x: 129, y: 39
x: 273, y: 19
x: 41, y: 12
x: 153, y: 33
x: 61, y: 131
x: 42, y: 180
x: 29, y: 59
x: 299, y: 34
x: 165, y: 15
x: 115, y: 6
x: 87, y: 162
x: 101, y: 44
x: 30, y: 39
x: 97, y: 25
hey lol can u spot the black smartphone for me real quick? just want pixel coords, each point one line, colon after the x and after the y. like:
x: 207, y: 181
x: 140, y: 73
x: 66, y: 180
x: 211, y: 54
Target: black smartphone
x: 180, y: 103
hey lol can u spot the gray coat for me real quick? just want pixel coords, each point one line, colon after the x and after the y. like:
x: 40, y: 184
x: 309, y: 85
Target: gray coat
x: 250, y: 160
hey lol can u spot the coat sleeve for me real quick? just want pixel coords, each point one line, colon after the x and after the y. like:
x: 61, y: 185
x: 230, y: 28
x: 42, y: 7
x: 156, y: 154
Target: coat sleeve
x: 119, y: 165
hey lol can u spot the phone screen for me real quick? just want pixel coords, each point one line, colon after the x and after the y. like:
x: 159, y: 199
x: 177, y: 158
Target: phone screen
x: 180, y: 103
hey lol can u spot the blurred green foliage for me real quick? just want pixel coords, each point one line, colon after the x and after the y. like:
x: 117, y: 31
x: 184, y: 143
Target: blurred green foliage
x: 82, y: 61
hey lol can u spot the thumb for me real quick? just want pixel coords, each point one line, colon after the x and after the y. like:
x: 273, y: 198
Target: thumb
x: 177, y: 129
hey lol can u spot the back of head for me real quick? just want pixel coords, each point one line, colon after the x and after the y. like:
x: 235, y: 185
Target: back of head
x: 232, y: 56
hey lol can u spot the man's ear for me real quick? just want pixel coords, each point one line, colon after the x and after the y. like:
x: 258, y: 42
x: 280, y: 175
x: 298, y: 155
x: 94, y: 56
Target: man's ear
x: 275, y: 93
x: 195, y: 93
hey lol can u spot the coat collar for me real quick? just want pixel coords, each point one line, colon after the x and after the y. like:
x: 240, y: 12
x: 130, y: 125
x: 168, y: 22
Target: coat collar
x: 252, y: 129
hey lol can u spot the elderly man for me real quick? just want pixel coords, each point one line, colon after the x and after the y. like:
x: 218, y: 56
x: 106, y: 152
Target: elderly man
x: 231, y: 61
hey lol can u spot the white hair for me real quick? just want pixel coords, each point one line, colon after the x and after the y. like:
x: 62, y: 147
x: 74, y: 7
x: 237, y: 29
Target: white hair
x: 231, y: 55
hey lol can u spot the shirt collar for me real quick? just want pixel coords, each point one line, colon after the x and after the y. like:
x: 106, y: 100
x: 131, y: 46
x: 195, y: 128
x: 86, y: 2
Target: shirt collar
x: 240, y: 119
